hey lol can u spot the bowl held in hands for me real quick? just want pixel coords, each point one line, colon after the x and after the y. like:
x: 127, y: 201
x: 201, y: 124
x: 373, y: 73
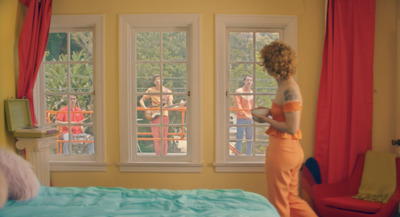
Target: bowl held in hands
x: 260, y: 111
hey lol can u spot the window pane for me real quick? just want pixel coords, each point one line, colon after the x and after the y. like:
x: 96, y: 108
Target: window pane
x: 56, y: 49
x: 264, y: 83
x: 174, y: 77
x: 247, y: 138
x: 82, y: 77
x: 76, y: 143
x: 86, y: 104
x: 237, y: 73
x: 144, y: 75
x: 150, y: 137
x: 145, y: 141
x: 177, y: 140
x: 174, y: 46
x: 154, y: 137
x: 241, y: 144
x: 232, y: 141
x: 177, y: 111
x: 55, y: 78
x: 81, y: 46
x: 264, y: 38
x: 161, y: 130
x: 240, y: 106
x: 53, y: 104
x: 140, y: 112
x: 264, y: 100
x: 241, y: 46
x: 87, y: 147
x: 147, y: 46
x: 261, y: 140
x: 241, y: 138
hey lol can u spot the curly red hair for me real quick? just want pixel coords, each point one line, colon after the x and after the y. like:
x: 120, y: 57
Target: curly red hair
x: 279, y: 60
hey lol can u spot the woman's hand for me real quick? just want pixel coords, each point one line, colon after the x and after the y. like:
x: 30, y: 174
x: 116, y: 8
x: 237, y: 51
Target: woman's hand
x: 259, y: 118
x: 260, y: 114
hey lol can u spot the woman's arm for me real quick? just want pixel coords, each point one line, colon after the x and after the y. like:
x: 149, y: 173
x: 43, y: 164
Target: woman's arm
x: 292, y: 123
x: 291, y: 126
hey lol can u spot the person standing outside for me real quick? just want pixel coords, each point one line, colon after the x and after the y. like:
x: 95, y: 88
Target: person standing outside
x: 244, y: 103
x: 284, y: 156
x: 76, y: 117
x: 156, y: 102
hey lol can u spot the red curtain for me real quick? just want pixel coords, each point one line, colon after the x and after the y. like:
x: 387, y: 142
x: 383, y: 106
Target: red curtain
x: 344, y: 110
x: 31, y: 47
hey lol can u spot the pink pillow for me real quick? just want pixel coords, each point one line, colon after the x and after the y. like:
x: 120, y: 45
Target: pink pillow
x: 22, y: 181
x: 3, y: 190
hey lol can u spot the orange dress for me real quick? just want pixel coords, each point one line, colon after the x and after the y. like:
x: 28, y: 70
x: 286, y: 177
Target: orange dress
x: 278, y: 114
x: 283, y: 160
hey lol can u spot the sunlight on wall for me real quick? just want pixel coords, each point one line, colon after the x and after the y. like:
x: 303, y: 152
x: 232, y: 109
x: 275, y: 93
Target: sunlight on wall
x: 311, y: 20
x: 10, y: 25
x: 310, y: 42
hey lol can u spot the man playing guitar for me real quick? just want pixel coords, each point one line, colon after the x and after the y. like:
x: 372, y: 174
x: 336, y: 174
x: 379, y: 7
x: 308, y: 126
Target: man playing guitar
x: 156, y: 119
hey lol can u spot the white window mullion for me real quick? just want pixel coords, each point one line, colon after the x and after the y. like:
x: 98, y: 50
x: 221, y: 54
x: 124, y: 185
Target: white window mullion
x: 286, y: 26
x: 130, y: 160
x: 69, y: 24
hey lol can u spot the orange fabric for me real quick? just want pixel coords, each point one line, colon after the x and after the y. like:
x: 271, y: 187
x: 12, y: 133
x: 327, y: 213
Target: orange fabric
x: 278, y: 114
x: 76, y: 117
x: 156, y: 99
x: 243, y: 102
x: 291, y: 106
x: 283, y: 161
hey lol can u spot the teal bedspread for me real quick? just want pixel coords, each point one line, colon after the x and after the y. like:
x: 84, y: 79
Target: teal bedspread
x: 97, y: 201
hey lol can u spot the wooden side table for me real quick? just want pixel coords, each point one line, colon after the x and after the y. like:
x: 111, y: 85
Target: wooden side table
x: 37, y: 153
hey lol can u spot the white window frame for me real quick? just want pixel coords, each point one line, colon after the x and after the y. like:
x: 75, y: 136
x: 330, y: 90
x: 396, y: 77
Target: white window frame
x: 71, y: 163
x: 224, y: 163
x: 128, y: 162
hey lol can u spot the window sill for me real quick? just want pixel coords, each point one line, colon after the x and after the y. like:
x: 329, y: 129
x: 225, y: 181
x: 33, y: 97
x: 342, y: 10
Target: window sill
x: 161, y: 167
x: 77, y: 166
x: 239, y: 167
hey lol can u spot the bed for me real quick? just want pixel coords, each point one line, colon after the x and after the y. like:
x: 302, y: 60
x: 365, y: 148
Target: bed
x: 98, y: 201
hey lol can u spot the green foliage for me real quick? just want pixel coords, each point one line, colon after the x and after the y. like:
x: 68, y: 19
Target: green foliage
x: 69, y: 73
x: 56, y: 46
x: 156, y: 53
x: 244, y: 60
x: 160, y: 53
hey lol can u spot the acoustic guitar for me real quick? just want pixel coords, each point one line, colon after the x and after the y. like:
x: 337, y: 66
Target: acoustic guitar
x: 153, y: 114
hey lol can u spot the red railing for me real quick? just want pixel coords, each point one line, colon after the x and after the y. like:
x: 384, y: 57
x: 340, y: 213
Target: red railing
x: 60, y: 140
x: 181, y: 134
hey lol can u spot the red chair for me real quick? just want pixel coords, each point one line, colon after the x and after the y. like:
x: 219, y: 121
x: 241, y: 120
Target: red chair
x: 335, y: 200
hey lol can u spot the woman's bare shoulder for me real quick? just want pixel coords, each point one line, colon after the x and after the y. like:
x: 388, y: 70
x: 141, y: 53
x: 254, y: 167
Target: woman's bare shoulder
x: 291, y: 92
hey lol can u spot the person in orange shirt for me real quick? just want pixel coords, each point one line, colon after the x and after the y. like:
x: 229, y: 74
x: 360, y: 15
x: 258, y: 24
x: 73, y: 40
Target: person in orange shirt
x: 76, y: 117
x: 243, y: 116
x: 156, y: 102
x: 284, y: 156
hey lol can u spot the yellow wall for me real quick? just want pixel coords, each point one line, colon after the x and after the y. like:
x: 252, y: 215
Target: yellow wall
x: 398, y: 71
x: 310, y: 15
x: 311, y: 29
x: 385, y: 57
x: 10, y: 25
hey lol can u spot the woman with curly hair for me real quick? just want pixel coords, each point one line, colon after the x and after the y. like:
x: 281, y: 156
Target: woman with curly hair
x: 284, y: 155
